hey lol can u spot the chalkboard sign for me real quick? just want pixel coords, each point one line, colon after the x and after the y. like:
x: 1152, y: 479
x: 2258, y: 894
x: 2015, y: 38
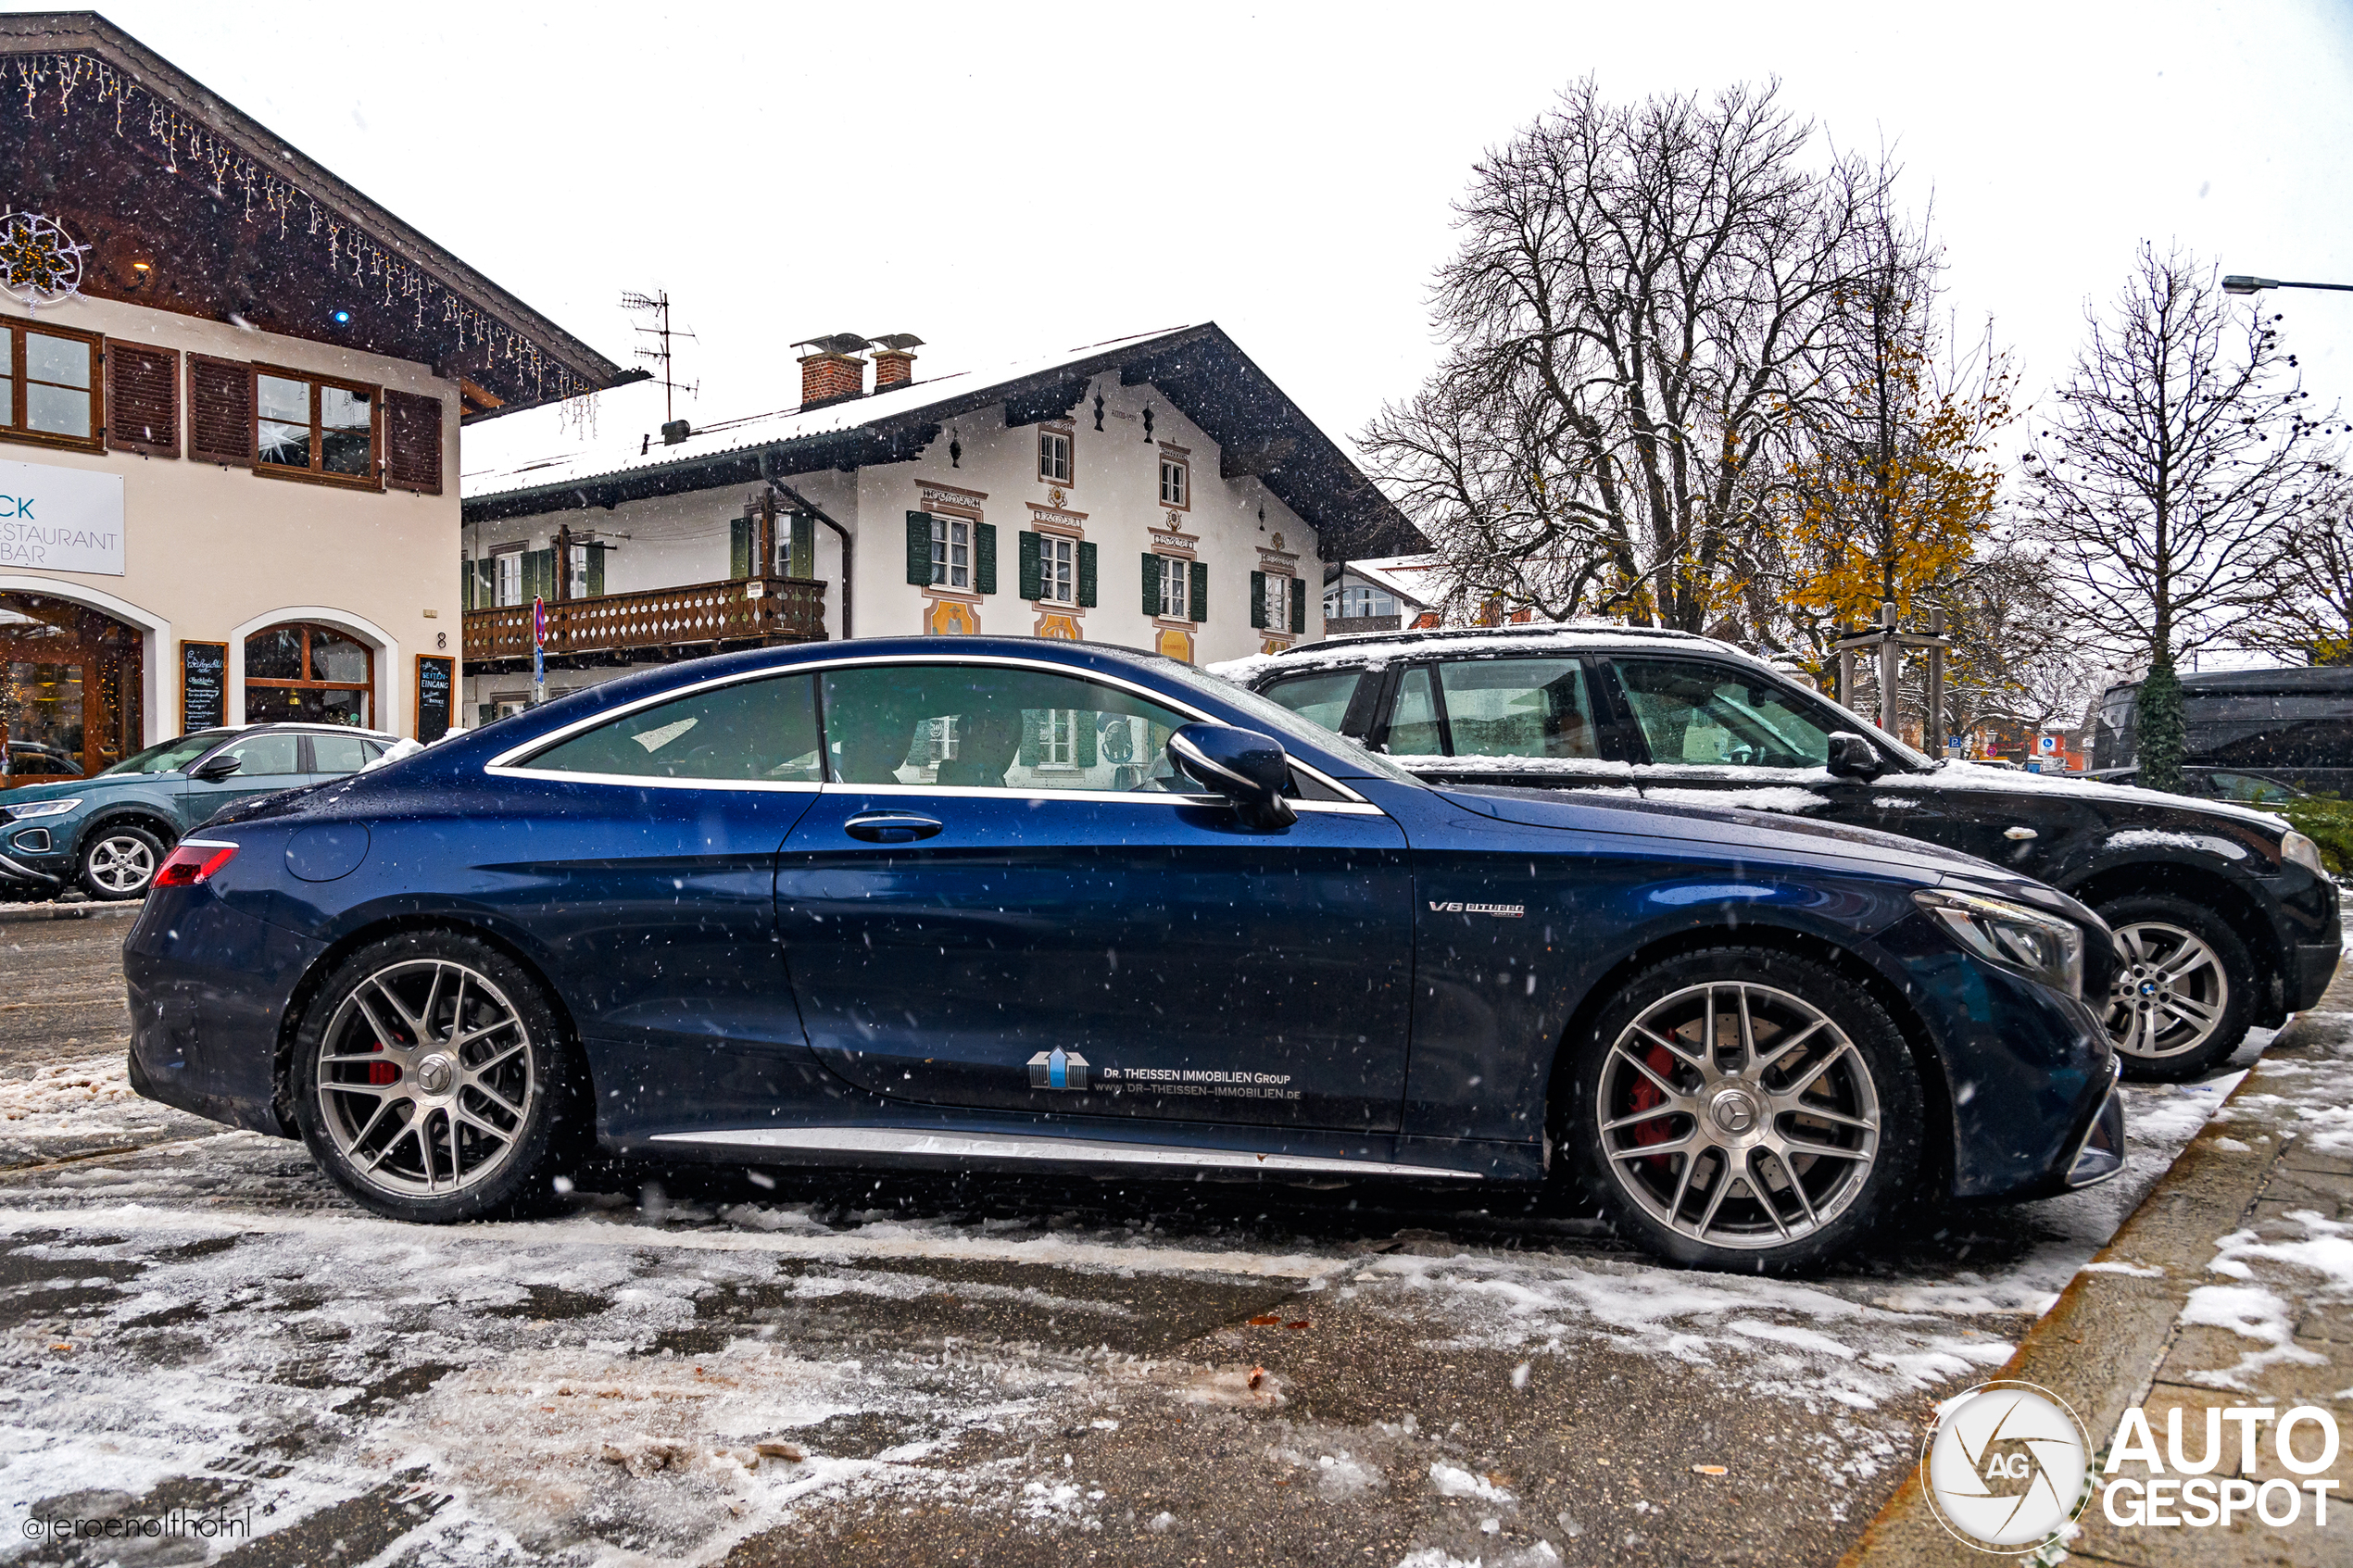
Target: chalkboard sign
x: 434, y: 679
x: 204, y: 685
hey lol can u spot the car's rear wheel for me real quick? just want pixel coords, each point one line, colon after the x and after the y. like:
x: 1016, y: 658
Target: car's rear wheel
x: 431, y: 1080
x: 1743, y: 1108
x: 2184, y: 991
x: 118, y: 860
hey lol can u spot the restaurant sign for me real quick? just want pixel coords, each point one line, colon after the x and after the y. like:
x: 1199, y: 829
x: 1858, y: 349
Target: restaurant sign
x: 60, y: 519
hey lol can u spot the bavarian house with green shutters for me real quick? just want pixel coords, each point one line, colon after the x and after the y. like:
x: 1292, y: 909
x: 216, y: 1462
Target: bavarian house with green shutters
x: 1155, y: 492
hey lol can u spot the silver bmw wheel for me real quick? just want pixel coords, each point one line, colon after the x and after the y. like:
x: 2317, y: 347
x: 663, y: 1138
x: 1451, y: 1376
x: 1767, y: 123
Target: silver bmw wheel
x: 426, y: 1082
x: 2171, y: 991
x: 121, y: 863
x: 1738, y: 1115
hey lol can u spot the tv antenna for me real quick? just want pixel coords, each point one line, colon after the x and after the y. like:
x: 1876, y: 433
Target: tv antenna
x: 657, y: 305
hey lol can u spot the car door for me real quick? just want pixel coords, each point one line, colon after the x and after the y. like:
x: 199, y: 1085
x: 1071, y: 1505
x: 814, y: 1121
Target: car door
x: 335, y: 756
x: 1716, y: 731
x: 641, y: 855
x: 1005, y: 898
x: 1534, y: 721
x: 270, y: 759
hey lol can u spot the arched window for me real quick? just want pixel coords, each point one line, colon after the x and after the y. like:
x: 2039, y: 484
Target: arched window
x: 296, y: 670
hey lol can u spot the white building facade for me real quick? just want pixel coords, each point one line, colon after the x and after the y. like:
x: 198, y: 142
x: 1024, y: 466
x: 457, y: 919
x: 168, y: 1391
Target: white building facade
x: 1089, y: 497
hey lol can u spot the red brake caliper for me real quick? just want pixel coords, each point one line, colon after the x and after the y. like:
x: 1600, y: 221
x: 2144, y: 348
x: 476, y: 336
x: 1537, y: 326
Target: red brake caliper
x: 1645, y: 1096
x: 382, y: 1072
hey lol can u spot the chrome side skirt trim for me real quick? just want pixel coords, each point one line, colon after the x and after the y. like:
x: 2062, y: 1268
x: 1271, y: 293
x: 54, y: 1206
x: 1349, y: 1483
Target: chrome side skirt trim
x: 1006, y: 1145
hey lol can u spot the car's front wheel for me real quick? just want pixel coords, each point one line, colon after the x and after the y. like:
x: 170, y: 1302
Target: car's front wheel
x: 1742, y: 1107
x: 2184, y: 990
x: 118, y: 860
x: 431, y: 1080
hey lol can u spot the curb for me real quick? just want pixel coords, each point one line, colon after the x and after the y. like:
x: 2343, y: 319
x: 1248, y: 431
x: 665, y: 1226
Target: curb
x: 2103, y: 1340
x: 10, y: 913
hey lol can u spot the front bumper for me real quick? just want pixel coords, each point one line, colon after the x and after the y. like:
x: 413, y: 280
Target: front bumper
x: 16, y: 871
x: 2099, y: 1153
x: 2312, y: 966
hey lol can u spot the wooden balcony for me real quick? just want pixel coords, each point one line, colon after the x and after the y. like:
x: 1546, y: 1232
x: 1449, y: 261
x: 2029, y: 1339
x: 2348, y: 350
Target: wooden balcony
x: 652, y: 626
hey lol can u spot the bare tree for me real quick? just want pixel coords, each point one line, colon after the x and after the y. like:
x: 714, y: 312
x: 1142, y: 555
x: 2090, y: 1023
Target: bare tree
x: 1642, y: 302
x: 2313, y: 622
x: 2171, y: 480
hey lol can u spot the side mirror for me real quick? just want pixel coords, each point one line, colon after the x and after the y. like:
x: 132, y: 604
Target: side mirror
x: 1852, y: 757
x: 1245, y: 767
x: 212, y: 770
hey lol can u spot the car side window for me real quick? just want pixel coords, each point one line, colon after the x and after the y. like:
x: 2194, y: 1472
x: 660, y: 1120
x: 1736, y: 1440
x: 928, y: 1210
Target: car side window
x: 338, y: 754
x: 1414, y: 729
x: 1518, y: 707
x: 982, y: 726
x: 752, y: 730
x: 1692, y: 711
x: 268, y: 756
x: 1320, y: 698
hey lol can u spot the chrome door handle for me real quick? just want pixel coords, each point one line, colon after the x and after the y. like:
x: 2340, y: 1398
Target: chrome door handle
x: 890, y: 827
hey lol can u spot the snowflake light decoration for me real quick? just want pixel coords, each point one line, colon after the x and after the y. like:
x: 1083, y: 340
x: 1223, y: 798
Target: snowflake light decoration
x: 40, y: 264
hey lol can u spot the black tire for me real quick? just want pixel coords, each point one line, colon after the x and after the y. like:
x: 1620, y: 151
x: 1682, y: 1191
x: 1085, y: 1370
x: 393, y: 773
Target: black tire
x: 477, y: 1079
x: 1864, y: 1110
x: 2153, y: 1013
x: 118, y: 860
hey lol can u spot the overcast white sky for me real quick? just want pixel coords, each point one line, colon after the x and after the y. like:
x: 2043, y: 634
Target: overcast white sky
x: 1006, y: 181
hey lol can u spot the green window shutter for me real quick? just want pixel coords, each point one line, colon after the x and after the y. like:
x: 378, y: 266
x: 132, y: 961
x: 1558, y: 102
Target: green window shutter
x: 804, y: 546
x: 1199, y: 601
x: 1033, y: 735
x: 919, y: 548
x: 1086, y: 578
x: 984, y: 558
x: 595, y: 570
x: 1151, y: 584
x: 1299, y: 604
x: 486, y: 590
x: 482, y: 712
x: 1258, y: 600
x: 1084, y: 746
x: 1030, y: 574
x: 466, y: 584
x: 739, y: 546
x: 538, y: 574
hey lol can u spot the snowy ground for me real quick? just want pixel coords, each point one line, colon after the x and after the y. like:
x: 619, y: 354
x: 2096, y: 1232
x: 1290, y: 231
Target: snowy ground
x: 944, y: 1370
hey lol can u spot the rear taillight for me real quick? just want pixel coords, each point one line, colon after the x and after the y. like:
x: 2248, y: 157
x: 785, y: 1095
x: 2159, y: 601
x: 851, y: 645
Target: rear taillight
x: 193, y: 862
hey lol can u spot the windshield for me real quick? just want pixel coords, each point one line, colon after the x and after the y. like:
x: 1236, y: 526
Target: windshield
x: 1281, y: 722
x: 171, y: 756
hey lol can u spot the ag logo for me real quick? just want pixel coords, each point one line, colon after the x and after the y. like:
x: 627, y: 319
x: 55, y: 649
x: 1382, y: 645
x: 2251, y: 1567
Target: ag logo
x: 2007, y: 1467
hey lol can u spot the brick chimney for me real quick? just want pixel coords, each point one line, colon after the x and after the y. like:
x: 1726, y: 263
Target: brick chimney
x: 893, y: 367
x: 831, y: 378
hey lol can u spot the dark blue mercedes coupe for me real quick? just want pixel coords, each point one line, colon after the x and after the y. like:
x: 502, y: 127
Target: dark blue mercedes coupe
x: 1019, y: 905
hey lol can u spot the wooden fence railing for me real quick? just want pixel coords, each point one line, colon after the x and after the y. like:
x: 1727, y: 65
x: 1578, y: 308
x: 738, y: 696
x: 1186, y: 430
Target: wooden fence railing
x: 746, y: 609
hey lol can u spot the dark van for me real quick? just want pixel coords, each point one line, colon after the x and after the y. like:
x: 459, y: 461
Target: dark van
x: 2292, y: 727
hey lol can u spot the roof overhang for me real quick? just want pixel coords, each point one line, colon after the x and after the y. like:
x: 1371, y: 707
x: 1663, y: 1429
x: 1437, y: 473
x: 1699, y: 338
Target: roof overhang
x: 144, y: 164
x: 1260, y: 431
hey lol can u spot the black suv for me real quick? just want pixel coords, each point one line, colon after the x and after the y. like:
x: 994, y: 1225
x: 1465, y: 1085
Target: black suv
x: 2223, y: 915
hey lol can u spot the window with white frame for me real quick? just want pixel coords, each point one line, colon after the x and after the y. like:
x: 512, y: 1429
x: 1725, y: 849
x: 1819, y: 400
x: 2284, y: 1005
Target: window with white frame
x: 1058, y: 742
x: 1174, y: 574
x: 1343, y: 604
x: 508, y: 584
x: 1276, y: 607
x: 952, y: 552
x: 1054, y: 456
x: 1057, y: 571
x: 1175, y: 487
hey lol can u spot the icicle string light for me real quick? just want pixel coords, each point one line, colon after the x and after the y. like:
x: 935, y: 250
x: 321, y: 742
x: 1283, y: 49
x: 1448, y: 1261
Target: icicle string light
x: 194, y: 151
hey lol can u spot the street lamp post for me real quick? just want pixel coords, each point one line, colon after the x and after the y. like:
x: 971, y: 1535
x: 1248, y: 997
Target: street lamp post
x: 2239, y: 282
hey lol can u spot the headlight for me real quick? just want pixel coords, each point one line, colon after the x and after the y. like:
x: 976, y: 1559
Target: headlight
x: 32, y: 808
x: 2302, y: 851
x: 2040, y: 947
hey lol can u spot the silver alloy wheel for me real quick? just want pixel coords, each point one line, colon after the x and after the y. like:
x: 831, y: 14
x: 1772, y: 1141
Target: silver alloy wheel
x: 121, y: 863
x: 1738, y: 1115
x: 2171, y: 991
x: 425, y: 1081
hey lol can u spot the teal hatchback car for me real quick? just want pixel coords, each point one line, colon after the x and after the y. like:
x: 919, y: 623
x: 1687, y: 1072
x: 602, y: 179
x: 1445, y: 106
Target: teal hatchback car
x: 109, y: 832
